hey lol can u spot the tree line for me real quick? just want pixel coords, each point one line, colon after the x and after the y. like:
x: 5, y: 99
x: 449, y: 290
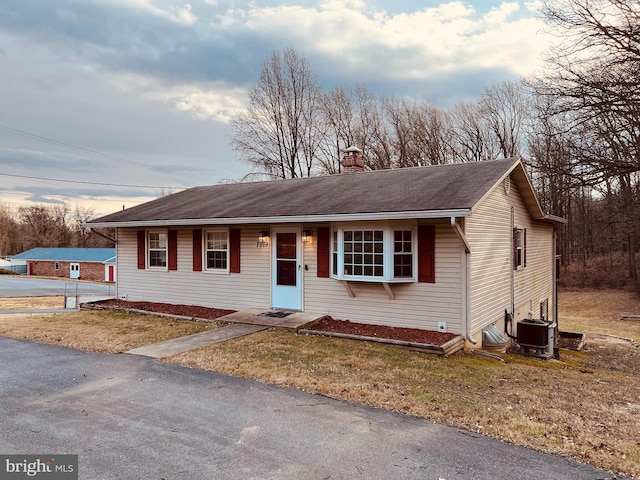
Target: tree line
x: 59, y: 225
x: 576, y: 126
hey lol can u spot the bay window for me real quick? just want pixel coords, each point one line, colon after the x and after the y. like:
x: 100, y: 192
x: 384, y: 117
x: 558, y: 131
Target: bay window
x: 383, y: 254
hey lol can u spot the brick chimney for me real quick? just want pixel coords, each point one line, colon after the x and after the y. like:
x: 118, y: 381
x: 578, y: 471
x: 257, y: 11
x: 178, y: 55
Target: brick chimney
x: 352, y: 160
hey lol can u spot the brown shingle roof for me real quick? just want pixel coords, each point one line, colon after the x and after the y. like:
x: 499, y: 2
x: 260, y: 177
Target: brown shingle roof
x: 419, y: 189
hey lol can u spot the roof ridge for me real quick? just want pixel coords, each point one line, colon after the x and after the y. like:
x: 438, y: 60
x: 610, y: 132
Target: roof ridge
x: 352, y: 174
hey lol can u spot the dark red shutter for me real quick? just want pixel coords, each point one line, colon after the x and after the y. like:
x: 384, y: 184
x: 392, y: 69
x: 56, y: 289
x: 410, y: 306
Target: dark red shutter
x: 427, y: 253
x: 172, y: 244
x: 524, y: 248
x: 515, y: 248
x: 197, y: 250
x: 323, y: 253
x: 234, y: 250
x: 142, y: 244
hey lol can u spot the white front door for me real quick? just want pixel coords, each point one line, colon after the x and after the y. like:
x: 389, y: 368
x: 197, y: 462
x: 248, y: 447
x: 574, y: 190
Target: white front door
x: 286, y: 270
x: 74, y: 270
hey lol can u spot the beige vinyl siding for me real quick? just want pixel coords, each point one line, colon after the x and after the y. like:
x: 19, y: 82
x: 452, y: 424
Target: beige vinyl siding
x: 534, y: 283
x: 416, y: 305
x: 488, y: 231
x: 249, y: 288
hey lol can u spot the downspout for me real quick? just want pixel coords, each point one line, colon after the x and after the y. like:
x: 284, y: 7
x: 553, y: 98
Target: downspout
x: 555, y: 278
x: 512, y: 278
x: 466, y: 291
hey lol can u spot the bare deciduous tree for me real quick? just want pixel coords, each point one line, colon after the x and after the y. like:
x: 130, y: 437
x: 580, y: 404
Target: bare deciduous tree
x: 592, y: 79
x: 505, y: 107
x: 8, y: 228
x: 471, y: 134
x: 277, y: 134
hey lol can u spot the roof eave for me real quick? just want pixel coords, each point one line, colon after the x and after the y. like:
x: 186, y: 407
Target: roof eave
x: 350, y: 217
x: 553, y: 219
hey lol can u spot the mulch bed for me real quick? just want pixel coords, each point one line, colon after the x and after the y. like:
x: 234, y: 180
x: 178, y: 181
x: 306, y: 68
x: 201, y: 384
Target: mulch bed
x: 171, y: 309
x: 429, y: 337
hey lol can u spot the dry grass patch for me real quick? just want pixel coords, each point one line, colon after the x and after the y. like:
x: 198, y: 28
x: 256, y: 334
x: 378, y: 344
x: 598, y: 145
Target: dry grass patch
x: 97, y: 331
x: 600, y: 312
x: 28, y: 303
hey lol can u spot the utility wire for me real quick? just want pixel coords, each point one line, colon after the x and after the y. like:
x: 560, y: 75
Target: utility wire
x: 91, y: 183
x: 40, y: 138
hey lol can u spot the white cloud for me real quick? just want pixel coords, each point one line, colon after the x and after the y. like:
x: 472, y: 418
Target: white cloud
x: 218, y: 101
x: 176, y: 14
x: 419, y: 44
x: 183, y: 15
x: 342, y: 4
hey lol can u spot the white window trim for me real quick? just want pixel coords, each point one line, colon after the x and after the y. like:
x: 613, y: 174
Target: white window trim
x: 218, y: 271
x: 519, y: 250
x: 388, y: 240
x: 148, y: 250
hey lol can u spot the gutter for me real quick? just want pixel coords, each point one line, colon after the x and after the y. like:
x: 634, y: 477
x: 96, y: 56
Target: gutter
x: 466, y: 291
x: 339, y: 217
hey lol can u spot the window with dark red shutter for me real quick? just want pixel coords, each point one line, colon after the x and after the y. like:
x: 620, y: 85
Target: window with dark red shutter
x: 234, y: 250
x: 172, y: 239
x: 197, y: 250
x: 142, y: 247
x: 519, y: 248
x: 323, y: 252
x: 427, y: 253
x: 524, y: 247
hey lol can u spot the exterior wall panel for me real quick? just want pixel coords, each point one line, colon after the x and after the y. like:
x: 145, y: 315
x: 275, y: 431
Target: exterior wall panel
x: 417, y: 305
x: 250, y: 288
x: 489, y: 233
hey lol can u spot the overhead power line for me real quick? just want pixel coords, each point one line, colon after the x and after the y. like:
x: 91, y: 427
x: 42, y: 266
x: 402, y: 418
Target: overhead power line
x: 92, y: 183
x: 40, y: 138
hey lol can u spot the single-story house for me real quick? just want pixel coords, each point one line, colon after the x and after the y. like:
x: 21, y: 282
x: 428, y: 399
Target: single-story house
x: 449, y: 247
x: 75, y: 263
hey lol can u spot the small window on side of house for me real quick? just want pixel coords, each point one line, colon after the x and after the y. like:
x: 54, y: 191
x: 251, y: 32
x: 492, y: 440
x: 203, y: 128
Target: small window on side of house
x: 519, y: 248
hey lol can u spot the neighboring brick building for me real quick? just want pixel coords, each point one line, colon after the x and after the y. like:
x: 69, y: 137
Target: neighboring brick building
x: 75, y: 263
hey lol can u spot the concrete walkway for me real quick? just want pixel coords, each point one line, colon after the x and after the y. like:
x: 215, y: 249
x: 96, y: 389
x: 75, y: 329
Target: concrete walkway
x: 243, y: 323
x: 293, y: 321
x: 182, y: 344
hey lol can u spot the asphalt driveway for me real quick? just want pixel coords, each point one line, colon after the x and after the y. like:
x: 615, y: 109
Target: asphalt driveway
x: 24, y: 286
x: 130, y: 417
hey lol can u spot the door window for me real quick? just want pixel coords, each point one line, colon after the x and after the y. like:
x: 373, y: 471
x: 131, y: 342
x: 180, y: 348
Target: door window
x: 286, y: 261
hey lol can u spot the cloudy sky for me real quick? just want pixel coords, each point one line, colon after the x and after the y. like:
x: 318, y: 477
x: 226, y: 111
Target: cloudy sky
x: 122, y: 98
